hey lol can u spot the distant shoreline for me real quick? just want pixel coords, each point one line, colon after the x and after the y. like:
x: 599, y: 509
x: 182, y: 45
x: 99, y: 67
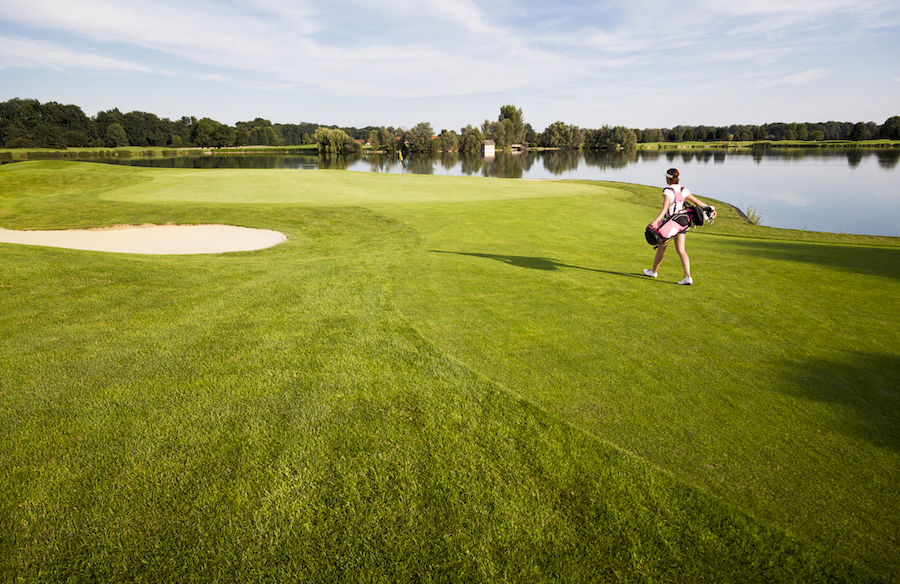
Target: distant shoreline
x: 19, y: 154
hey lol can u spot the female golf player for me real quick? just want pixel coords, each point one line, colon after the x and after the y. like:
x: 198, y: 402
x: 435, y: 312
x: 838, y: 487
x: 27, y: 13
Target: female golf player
x: 674, y: 196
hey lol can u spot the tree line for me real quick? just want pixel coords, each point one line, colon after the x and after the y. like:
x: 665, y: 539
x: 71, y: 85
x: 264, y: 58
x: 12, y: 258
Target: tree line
x: 27, y: 123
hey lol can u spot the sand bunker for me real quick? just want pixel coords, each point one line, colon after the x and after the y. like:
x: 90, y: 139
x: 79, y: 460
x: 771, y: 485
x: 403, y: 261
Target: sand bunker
x: 152, y: 239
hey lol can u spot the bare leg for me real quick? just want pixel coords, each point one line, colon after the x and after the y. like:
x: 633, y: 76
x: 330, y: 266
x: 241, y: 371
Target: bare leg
x: 682, y: 253
x: 660, y: 251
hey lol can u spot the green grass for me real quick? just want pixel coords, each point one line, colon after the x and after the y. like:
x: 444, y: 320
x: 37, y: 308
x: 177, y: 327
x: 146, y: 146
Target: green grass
x: 444, y: 379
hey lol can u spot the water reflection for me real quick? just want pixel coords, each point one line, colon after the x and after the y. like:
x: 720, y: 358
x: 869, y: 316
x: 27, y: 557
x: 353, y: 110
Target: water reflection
x: 888, y: 159
x: 504, y: 165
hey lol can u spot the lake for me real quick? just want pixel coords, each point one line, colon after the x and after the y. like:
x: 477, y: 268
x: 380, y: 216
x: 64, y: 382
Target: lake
x: 852, y: 190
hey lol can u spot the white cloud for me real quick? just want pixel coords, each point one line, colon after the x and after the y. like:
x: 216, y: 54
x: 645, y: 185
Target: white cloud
x: 293, y: 44
x: 801, y: 78
x: 596, y: 59
x: 19, y: 52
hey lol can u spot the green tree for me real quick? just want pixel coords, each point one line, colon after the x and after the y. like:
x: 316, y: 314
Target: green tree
x: 270, y: 137
x: 790, y: 132
x: 890, y: 130
x: 607, y: 138
x: 449, y: 141
x: 420, y: 138
x: 388, y: 139
x: 115, y: 135
x: 859, y: 132
x: 563, y: 136
x: 257, y: 136
x: 224, y: 136
x: 181, y: 134
x: 203, y: 133
x: 630, y: 140
x: 102, y: 122
x: 652, y: 135
x: 552, y: 136
x: 75, y: 139
x: 514, y: 132
x: 335, y: 141
x: 382, y: 139
x: 143, y: 129
x: 329, y: 141
x: 531, y: 137
x: 18, y: 120
x: 470, y: 139
x: 47, y: 136
x: 68, y: 118
x: 501, y: 132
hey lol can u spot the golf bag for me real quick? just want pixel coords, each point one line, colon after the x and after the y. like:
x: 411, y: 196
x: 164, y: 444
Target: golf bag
x: 678, y: 223
x: 703, y: 215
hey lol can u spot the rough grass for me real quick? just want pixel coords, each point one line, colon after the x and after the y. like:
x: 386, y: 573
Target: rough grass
x: 448, y: 380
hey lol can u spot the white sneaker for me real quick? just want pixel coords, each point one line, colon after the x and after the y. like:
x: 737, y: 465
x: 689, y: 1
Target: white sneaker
x: 687, y: 281
x: 650, y: 273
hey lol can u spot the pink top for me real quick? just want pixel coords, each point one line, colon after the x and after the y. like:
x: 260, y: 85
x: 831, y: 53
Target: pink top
x: 678, y: 194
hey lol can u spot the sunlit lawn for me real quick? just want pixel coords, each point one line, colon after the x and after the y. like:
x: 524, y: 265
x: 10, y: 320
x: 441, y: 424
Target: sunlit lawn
x: 439, y: 379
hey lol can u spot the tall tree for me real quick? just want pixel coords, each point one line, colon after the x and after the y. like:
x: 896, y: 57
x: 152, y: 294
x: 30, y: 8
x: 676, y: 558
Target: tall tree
x: 891, y: 128
x: 224, y: 136
x: 515, y: 130
x: 530, y: 135
x: 859, y: 132
x: 449, y: 141
x: 382, y: 139
x: 115, y: 135
x: 470, y: 139
x: 563, y: 136
x: 420, y: 137
x: 335, y: 141
x: 102, y: 122
x: 203, y: 132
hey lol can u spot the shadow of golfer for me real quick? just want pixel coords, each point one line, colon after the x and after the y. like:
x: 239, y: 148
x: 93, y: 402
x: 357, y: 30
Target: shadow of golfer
x: 533, y: 263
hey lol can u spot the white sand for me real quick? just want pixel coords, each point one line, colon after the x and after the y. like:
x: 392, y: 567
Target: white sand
x: 152, y: 239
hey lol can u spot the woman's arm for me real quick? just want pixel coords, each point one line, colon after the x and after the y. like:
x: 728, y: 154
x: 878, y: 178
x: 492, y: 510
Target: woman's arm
x: 699, y: 203
x: 667, y: 200
x: 695, y: 200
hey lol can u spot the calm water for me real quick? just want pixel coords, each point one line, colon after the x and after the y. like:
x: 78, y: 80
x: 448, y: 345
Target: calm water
x: 836, y: 190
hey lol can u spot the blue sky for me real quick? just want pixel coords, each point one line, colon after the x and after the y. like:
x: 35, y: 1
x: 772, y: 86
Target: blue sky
x: 637, y: 63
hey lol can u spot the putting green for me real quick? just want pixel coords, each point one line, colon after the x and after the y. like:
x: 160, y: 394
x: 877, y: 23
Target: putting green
x: 331, y: 187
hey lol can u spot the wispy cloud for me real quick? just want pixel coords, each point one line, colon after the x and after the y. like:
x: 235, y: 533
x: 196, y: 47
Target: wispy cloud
x: 573, y: 52
x: 19, y: 52
x: 801, y: 78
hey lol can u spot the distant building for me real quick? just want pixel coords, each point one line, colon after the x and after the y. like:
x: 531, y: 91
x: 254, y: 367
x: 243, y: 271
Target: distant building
x: 488, y: 148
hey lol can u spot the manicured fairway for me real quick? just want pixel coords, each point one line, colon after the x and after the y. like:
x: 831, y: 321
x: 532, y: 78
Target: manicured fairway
x: 439, y: 379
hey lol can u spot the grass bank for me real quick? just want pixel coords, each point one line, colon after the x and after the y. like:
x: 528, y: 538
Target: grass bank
x: 439, y: 379
x: 22, y: 154
x: 771, y: 144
